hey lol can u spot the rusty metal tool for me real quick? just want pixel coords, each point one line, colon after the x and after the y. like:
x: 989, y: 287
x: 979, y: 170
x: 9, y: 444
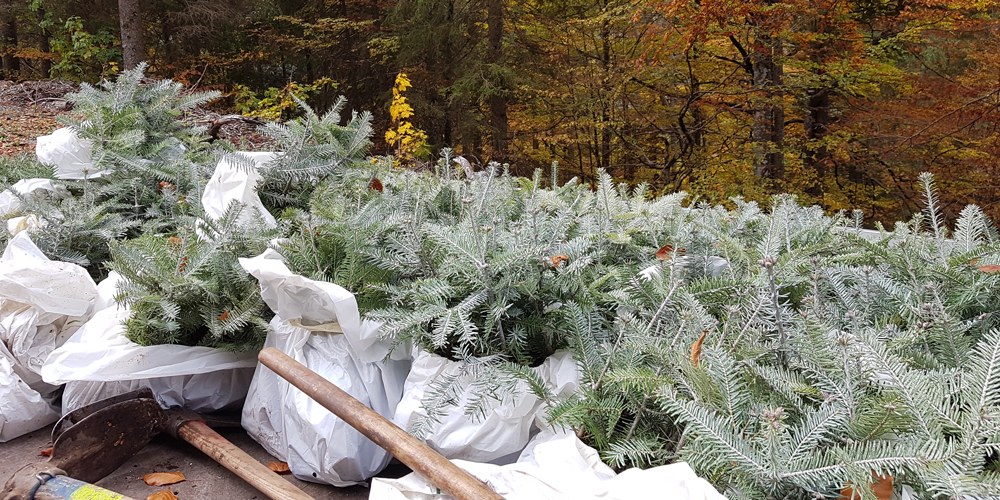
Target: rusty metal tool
x: 91, y: 442
x: 408, y: 449
x: 89, y: 451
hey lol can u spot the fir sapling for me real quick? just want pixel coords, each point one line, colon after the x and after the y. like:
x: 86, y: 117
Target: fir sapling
x: 823, y: 359
x: 496, y: 257
x: 139, y: 142
x: 189, y: 288
x: 313, y: 148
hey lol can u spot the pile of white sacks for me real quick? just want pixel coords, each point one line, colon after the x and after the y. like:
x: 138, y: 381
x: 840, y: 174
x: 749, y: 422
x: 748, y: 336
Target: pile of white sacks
x: 60, y: 330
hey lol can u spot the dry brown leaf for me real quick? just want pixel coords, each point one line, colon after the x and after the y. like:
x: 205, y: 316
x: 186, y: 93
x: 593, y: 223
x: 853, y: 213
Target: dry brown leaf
x: 224, y: 316
x: 696, y: 348
x: 375, y: 184
x: 665, y: 252
x: 279, y: 467
x: 882, y: 487
x: 162, y: 495
x: 974, y: 261
x: 47, y: 452
x: 162, y: 478
x: 558, y: 259
x: 990, y: 269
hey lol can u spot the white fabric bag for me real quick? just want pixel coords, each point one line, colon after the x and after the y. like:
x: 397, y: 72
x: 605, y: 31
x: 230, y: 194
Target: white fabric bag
x: 70, y: 155
x: 317, y: 445
x: 22, y: 409
x: 10, y: 199
x: 506, y: 428
x: 230, y: 183
x: 98, y: 362
x: 42, y: 303
x: 558, y: 466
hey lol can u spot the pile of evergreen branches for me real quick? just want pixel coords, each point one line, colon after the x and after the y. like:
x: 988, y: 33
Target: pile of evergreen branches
x: 142, y: 216
x: 784, y: 353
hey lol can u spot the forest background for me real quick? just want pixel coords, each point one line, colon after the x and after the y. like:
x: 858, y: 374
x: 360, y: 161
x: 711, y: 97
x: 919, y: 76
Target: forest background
x: 841, y: 102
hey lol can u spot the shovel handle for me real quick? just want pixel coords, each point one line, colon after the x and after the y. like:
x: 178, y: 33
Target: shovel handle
x: 408, y: 449
x: 239, y: 462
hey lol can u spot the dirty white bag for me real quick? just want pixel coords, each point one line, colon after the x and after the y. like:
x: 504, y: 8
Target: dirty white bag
x: 231, y: 183
x: 10, y: 199
x: 317, y: 445
x: 70, y: 155
x: 556, y: 465
x: 506, y: 427
x: 98, y: 362
x: 42, y: 303
x: 24, y: 223
x: 22, y: 409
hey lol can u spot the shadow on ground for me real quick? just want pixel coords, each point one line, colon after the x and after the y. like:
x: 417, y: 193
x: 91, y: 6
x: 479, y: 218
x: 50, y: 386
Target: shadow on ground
x: 206, y: 479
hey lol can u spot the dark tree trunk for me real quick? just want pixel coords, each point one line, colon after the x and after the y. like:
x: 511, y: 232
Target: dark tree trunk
x: 8, y: 38
x: 45, y: 66
x: 607, y: 134
x: 769, y: 114
x: 816, y: 124
x: 133, y: 50
x: 498, y: 98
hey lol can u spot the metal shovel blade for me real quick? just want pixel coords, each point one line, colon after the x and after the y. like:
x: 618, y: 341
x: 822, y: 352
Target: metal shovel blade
x: 71, y: 418
x: 96, y: 444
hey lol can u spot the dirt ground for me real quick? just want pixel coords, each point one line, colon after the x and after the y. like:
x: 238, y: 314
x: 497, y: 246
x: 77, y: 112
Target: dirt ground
x: 30, y: 109
x: 205, y: 479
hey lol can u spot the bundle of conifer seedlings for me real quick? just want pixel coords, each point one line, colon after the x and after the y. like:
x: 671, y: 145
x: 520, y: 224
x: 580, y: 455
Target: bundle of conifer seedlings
x: 137, y: 208
x: 818, y: 363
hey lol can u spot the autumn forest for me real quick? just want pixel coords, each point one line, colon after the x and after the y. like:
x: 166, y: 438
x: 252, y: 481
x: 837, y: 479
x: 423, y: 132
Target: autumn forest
x: 840, y: 102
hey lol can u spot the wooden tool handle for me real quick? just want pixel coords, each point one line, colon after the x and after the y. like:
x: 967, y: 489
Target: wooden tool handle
x: 437, y: 469
x: 236, y: 460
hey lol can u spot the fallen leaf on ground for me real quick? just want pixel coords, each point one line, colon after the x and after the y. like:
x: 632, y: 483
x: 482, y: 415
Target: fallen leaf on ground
x: 162, y: 495
x: 279, y: 467
x: 162, y: 478
x: 47, y: 452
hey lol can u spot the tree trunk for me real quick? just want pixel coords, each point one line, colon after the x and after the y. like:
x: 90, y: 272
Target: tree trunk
x: 8, y: 38
x: 816, y: 124
x: 604, y: 146
x: 769, y: 115
x: 45, y: 65
x: 498, y: 99
x: 133, y: 50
